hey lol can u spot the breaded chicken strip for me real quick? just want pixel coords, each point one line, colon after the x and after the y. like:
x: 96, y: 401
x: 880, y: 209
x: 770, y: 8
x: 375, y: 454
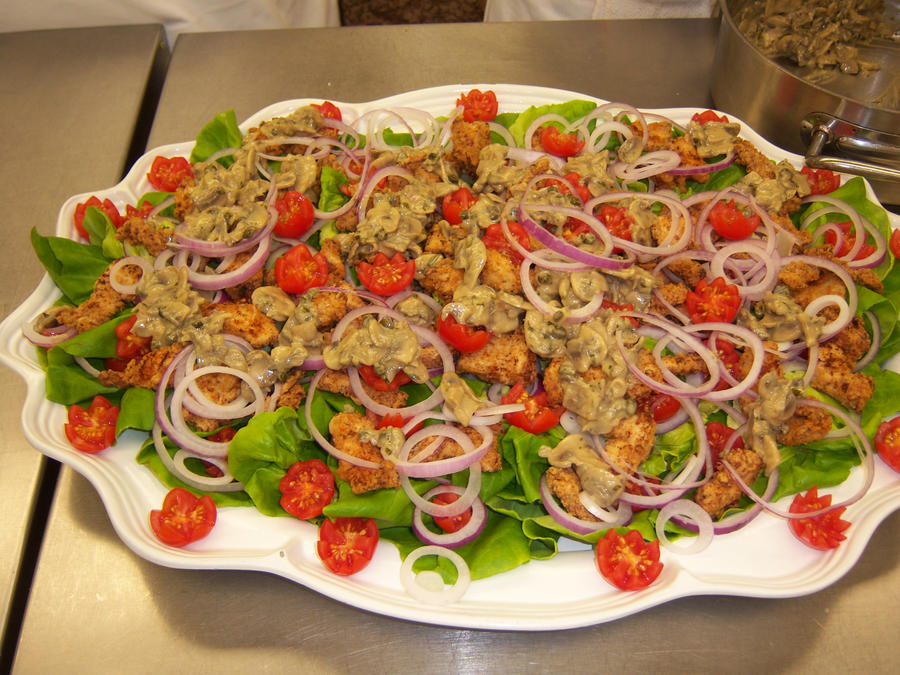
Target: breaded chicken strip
x: 468, y: 139
x: 104, y: 302
x: 245, y: 320
x: 566, y: 486
x: 442, y: 280
x: 631, y: 441
x: 505, y: 359
x: 501, y: 273
x: 834, y: 376
x: 722, y: 491
x: 344, y: 429
x: 490, y: 462
x: 143, y: 371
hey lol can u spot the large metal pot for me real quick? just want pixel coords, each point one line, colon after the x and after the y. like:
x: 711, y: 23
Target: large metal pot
x: 842, y: 124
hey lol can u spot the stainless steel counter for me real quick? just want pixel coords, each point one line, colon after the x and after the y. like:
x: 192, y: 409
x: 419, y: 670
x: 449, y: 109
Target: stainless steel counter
x: 69, y: 104
x: 96, y: 606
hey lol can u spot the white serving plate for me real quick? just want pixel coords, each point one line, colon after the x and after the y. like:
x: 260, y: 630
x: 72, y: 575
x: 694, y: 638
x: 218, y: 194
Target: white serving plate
x: 761, y: 560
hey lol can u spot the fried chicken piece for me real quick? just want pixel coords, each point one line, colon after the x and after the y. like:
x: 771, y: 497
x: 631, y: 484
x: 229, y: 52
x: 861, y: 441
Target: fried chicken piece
x: 853, y: 340
x: 566, y: 486
x: 136, y: 230
x: 722, y: 491
x: 808, y: 424
x: 338, y: 382
x: 344, y: 429
x: 142, y: 371
x: 834, y: 376
x: 631, y: 440
x: 245, y: 320
x: 245, y: 289
x: 220, y: 388
x: 747, y: 155
x: 690, y: 272
x: 505, y: 359
x: 798, y: 275
x: 468, y: 139
x: 331, y: 249
x: 442, y: 280
x: 674, y: 294
x: 330, y: 306
x: 490, y: 462
x: 501, y: 273
x: 292, y: 391
x: 104, y: 302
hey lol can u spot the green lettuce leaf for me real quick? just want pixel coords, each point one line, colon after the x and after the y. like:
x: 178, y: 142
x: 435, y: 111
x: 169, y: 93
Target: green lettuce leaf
x: 219, y: 133
x: 331, y: 197
x: 518, y: 125
x: 73, y: 266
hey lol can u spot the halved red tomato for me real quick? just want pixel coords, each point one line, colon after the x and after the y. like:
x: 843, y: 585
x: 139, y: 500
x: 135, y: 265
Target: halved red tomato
x: 307, y: 488
x: 453, y: 204
x: 298, y: 270
x: 451, y: 524
x: 537, y: 417
x: 716, y: 301
x: 129, y: 345
x: 386, y: 276
x: 94, y: 429
x: 461, y: 337
x: 558, y: 143
x: 372, y: 379
x: 168, y: 173
x: 295, y: 214
x: 478, y: 105
x: 346, y: 545
x: 628, y: 562
x: 184, y: 517
x: 824, y: 531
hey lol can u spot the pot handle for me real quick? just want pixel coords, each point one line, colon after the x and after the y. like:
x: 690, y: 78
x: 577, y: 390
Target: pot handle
x: 825, y: 132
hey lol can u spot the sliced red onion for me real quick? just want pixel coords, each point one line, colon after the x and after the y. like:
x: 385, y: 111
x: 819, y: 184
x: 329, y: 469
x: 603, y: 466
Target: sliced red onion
x: 503, y: 132
x: 138, y: 261
x: 835, y: 326
x: 86, y: 366
x: 469, y: 532
x: 723, y: 163
x: 861, y: 227
x: 417, y: 468
x: 869, y: 356
x: 48, y: 338
x: 563, y: 517
x: 541, y: 120
x: 612, y: 516
x: 863, y: 448
x: 323, y: 442
x: 213, y: 282
x: 649, y: 164
x: 428, y: 586
x: 223, y: 483
x: 466, y: 498
x: 681, y: 510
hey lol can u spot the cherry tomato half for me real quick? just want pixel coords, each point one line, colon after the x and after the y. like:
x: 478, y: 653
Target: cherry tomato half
x: 895, y: 243
x: 346, y: 545
x: 708, y: 116
x: 455, y: 203
x: 558, y: 143
x: 822, y: 532
x: 717, y: 434
x: 129, y: 345
x: 328, y: 110
x: 298, y: 270
x: 386, y: 276
x: 94, y: 429
x: 663, y: 407
x: 494, y: 238
x: 731, y: 222
x: 821, y: 181
x: 537, y: 417
x: 396, y: 420
x: 478, y: 105
x: 887, y: 442
x: 847, y: 241
x: 461, y: 337
x: 379, y: 383
x: 184, y: 517
x: 295, y: 214
x: 168, y: 173
x: 106, y: 206
x: 455, y: 523
x: 716, y: 301
x: 628, y: 563
x: 306, y: 489
x: 617, y: 220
